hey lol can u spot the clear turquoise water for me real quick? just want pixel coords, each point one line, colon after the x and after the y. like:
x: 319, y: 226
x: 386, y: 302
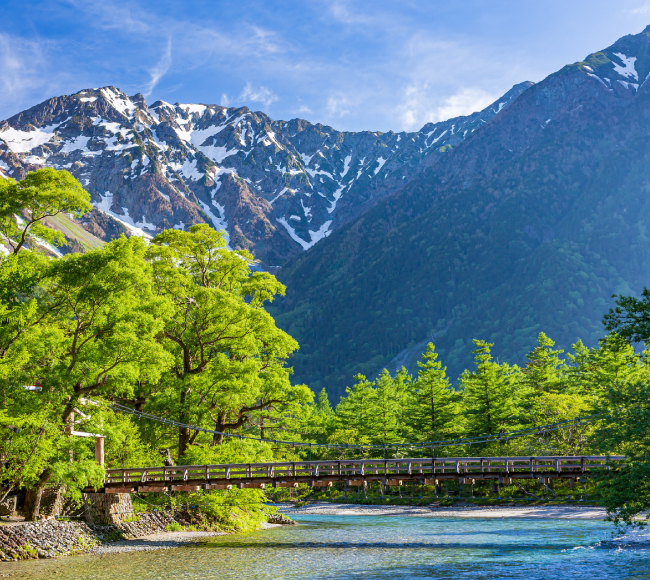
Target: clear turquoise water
x: 375, y: 547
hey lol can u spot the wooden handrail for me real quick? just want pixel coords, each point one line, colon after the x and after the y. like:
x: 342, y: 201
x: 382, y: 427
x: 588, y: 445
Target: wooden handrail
x: 338, y: 470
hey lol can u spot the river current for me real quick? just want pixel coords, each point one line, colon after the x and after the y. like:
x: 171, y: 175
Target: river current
x: 378, y: 547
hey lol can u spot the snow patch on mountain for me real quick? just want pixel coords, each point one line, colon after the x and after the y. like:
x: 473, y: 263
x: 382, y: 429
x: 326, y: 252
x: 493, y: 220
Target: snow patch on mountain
x: 627, y: 70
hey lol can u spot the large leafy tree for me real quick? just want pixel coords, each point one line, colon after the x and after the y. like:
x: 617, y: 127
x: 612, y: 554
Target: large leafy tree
x: 228, y: 355
x: 42, y: 194
x: 108, y: 317
x: 100, y: 320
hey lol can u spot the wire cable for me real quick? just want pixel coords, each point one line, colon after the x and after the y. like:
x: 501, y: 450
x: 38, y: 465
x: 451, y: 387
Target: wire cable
x: 499, y: 437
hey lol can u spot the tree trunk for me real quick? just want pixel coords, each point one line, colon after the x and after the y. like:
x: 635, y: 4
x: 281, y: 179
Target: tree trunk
x: 217, y: 439
x: 34, y: 496
x: 183, y: 432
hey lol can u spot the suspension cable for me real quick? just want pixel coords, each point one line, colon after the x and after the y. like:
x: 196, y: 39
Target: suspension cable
x: 500, y: 437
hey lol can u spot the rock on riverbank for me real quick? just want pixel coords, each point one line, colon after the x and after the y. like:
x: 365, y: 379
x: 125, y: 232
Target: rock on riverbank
x: 51, y: 538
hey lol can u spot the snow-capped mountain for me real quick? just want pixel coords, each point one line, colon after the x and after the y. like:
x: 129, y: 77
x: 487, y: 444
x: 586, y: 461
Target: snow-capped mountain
x: 276, y: 187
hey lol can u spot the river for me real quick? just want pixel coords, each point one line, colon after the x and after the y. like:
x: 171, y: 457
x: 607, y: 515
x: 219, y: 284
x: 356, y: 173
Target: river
x: 378, y: 547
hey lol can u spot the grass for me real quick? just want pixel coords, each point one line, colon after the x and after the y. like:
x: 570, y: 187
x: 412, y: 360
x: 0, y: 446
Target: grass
x: 174, y: 527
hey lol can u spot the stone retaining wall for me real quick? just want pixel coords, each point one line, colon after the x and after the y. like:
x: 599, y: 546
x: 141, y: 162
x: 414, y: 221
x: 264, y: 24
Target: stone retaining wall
x: 52, y: 538
x: 107, y: 508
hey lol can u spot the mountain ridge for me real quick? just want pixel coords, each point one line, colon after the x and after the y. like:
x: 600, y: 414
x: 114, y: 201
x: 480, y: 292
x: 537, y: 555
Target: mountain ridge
x: 276, y: 187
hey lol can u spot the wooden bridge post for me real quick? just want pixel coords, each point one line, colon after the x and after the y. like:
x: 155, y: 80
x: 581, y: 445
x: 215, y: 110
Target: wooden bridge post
x: 99, y: 450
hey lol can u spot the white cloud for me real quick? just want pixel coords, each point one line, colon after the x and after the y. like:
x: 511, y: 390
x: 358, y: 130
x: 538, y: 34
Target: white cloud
x: 421, y: 105
x: 342, y: 12
x: 640, y: 10
x: 338, y: 105
x: 25, y: 67
x: 160, y: 70
x: 257, y: 95
x: 250, y: 94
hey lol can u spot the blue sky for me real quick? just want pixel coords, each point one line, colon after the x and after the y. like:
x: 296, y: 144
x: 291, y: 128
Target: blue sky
x: 352, y: 64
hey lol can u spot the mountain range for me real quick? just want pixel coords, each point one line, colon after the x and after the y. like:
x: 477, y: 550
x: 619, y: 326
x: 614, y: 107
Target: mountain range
x: 521, y: 218
x: 276, y: 187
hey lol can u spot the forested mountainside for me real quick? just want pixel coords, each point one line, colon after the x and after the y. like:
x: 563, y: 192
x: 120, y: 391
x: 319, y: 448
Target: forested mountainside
x: 276, y: 187
x: 529, y: 225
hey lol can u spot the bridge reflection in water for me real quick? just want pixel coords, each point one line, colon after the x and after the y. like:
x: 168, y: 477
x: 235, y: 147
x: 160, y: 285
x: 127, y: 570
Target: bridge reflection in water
x: 427, y: 471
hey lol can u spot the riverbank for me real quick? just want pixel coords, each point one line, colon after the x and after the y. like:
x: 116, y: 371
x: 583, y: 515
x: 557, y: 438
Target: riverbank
x: 463, y: 511
x: 163, y: 541
x: 147, y: 531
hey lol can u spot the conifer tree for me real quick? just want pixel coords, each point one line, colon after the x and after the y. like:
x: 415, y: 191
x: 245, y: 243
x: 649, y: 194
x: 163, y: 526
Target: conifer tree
x: 544, y: 370
x: 355, y: 412
x: 387, y: 409
x: 433, y: 413
x: 489, y: 402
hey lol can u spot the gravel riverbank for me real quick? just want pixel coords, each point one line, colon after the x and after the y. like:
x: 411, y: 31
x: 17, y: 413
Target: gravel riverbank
x: 467, y: 511
x: 52, y: 538
x: 162, y: 541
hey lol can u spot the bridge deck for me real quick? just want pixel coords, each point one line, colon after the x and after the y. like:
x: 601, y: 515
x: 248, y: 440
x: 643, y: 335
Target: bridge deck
x: 353, y: 472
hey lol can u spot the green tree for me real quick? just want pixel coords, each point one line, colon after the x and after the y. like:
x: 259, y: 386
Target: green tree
x: 386, y: 410
x: 624, y: 430
x: 630, y: 318
x: 488, y: 394
x: 595, y: 369
x: 434, y: 412
x: 90, y: 326
x: 42, y: 194
x: 322, y: 421
x: 228, y: 354
x: 544, y: 369
x: 355, y: 412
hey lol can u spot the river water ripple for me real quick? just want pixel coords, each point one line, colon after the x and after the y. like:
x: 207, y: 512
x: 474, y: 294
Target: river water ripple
x: 370, y: 548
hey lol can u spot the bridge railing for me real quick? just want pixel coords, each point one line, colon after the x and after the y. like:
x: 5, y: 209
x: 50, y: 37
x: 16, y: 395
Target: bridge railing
x: 362, y: 468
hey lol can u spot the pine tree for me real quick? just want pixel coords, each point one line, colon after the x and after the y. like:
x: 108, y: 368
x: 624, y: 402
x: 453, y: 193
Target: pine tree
x: 489, y: 401
x: 387, y: 410
x: 544, y: 370
x: 355, y: 412
x: 434, y: 409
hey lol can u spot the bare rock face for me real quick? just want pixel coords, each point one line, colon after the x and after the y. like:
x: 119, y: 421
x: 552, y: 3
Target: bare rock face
x: 275, y: 187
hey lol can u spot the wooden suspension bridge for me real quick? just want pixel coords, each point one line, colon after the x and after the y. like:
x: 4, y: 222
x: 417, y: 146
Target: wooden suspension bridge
x: 427, y: 471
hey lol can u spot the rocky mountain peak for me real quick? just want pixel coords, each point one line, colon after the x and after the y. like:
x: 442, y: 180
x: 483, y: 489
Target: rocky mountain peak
x: 276, y: 187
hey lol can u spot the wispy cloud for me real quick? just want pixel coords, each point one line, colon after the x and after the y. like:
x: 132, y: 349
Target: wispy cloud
x: 338, y: 105
x: 24, y: 67
x: 641, y: 10
x: 110, y: 15
x: 353, y: 64
x: 420, y: 107
x: 160, y: 69
x: 342, y: 12
x: 250, y: 94
x: 258, y: 95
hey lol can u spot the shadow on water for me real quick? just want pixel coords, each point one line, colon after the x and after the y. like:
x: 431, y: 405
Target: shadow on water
x: 395, y: 546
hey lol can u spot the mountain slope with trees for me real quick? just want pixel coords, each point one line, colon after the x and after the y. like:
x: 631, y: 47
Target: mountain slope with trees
x: 531, y: 224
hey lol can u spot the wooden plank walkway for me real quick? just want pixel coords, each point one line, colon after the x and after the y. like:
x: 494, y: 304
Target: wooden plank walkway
x: 465, y: 470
